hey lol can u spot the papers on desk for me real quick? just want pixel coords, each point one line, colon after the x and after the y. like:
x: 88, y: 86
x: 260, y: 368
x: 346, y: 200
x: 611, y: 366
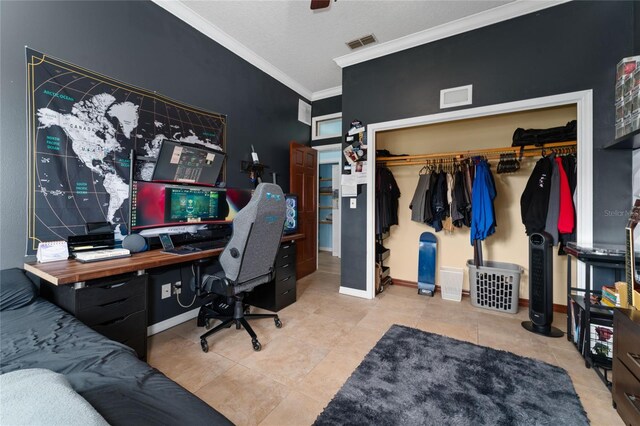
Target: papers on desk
x: 52, y: 251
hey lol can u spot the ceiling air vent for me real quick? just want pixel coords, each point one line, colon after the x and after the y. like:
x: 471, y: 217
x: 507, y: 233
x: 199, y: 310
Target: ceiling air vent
x: 362, y: 41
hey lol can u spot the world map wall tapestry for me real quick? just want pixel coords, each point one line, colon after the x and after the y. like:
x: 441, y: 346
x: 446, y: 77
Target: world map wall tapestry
x: 82, y: 128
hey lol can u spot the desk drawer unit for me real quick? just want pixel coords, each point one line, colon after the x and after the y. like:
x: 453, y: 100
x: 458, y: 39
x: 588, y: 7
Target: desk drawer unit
x: 281, y: 292
x: 115, y: 307
x: 626, y: 366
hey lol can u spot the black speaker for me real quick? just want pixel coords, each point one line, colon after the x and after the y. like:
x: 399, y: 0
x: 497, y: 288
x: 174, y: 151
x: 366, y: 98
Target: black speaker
x: 135, y: 243
x: 541, y: 286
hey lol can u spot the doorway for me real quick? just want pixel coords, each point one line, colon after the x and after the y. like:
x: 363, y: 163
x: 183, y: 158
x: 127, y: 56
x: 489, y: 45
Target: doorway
x: 329, y: 217
x: 584, y: 102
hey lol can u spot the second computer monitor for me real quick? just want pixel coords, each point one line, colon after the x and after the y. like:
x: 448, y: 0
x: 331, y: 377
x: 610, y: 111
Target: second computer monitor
x: 185, y: 163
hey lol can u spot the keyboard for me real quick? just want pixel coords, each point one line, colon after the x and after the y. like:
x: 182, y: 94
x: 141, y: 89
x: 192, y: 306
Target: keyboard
x: 98, y: 255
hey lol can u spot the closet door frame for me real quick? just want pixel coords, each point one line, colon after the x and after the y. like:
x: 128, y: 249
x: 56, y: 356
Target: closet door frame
x: 584, y: 103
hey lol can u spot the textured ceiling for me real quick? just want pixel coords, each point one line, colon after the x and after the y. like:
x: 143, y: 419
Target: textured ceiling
x: 303, y: 43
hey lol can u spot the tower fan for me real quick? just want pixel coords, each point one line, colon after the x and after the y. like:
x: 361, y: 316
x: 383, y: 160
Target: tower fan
x: 541, y: 286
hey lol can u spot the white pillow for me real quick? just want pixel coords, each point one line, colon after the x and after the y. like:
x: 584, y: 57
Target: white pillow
x: 37, y: 396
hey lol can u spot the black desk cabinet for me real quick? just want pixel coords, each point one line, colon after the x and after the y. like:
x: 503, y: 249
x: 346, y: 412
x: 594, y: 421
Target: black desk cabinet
x: 626, y: 365
x: 281, y: 292
x: 115, y: 307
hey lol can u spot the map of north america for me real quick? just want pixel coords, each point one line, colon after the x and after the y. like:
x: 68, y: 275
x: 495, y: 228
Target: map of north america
x: 83, y: 127
x: 93, y: 139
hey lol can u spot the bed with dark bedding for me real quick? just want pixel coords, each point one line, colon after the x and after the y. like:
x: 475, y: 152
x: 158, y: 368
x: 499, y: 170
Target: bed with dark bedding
x: 121, y: 388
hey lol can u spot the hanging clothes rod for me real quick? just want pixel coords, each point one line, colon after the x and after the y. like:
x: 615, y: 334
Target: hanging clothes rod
x: 488, y: 153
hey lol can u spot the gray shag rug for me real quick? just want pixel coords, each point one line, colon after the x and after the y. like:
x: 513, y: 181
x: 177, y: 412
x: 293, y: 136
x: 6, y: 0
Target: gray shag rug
x: 412, y: 377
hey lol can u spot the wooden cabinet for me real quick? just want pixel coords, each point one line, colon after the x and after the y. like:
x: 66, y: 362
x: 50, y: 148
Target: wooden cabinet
x: 115, y: 307
x: 281, y: 292
x: 626, y: 365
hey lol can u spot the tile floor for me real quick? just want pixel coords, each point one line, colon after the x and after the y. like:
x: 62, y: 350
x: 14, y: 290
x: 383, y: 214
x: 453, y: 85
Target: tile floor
x: 326, y: 335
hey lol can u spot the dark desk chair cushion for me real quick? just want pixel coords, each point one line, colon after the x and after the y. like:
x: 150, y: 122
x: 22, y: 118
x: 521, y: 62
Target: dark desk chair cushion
x: 16, y: 289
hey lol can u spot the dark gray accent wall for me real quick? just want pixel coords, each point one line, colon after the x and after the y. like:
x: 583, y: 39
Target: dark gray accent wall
x: 323, y: 107
x: 571, y: 47
x: 138, y: 43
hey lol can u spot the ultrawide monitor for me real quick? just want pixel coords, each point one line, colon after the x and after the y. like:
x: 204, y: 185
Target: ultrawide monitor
x: 155, y: 205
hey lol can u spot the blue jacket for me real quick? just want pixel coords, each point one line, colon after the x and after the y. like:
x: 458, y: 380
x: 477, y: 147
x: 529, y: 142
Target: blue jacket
x: 483, y: 218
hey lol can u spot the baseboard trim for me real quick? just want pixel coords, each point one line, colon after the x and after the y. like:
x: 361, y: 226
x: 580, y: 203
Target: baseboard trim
x: 171, y: 322
x: 561, y: 309
x: 364, y: 294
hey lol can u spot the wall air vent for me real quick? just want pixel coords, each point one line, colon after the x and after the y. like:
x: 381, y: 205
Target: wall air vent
x: 362, y: 41
x: 456, y: 96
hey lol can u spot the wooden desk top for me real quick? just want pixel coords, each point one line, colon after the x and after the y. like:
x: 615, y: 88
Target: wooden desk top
x: 71, y: 271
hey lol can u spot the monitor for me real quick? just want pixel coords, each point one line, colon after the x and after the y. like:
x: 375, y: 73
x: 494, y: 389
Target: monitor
x: 291, y: 220
x: 185, y: 163
x: 157, y: 205
x: 237, y: 199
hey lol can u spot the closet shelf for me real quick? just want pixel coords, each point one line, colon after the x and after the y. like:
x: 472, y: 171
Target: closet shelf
x: 325, y: 179
x: 489, y: 153
x: 325, y: 207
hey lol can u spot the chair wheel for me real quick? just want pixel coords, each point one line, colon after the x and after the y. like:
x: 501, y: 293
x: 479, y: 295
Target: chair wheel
x: 204, y: 345
x: 256, y: 345
x: 278, y: 322
x: 207, y: 323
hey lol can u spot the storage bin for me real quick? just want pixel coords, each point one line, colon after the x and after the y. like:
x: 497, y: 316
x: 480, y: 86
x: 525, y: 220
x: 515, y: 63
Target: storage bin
x: 496, y: 285
x: 451, y: 283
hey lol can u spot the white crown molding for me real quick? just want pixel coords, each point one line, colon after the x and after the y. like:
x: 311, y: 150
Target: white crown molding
x: 326, y: 93
x: 479, y: 20
x: 181, y: 11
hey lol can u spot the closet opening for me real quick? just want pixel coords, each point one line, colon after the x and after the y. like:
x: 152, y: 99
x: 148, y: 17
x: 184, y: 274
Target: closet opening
x: 472, y: 129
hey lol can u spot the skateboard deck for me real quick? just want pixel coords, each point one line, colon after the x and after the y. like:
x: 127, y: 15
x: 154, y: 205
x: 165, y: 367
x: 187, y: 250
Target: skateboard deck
x: 427, y: 251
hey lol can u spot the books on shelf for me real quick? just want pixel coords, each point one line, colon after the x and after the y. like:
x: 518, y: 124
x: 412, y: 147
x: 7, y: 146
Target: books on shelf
x: 610, y: 297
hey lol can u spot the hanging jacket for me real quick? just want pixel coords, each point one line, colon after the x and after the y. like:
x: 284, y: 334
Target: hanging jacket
x: 387, y: 194
x: 566, y: 215
x: 439, y: 202
x: 534, y: 201
x: 553, y: 209
x: 417, y: 205
x: 483, y: 219
x: 569, y: 166
x: 458, y: 200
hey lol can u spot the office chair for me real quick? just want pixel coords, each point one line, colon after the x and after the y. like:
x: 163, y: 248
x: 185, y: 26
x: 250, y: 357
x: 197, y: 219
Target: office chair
x: 247, y: 261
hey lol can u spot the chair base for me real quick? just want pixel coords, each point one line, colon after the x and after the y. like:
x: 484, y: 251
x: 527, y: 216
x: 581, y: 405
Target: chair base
x: 239, y: 318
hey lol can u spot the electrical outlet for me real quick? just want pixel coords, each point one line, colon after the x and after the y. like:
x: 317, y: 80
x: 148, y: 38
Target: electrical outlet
x: 352, y: 203
x: 177, y: 287
x: 166, y: 290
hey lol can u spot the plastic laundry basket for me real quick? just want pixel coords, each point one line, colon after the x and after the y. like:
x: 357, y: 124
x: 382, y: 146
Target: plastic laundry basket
x: 451, y: 283
x: 495, y: 285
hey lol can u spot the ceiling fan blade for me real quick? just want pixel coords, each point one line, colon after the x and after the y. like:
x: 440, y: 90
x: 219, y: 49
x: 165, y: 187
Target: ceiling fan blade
x: 319, y: 4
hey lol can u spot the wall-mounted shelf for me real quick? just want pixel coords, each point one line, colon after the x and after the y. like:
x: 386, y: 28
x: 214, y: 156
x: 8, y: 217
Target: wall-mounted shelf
x: 326, y: 222
x: 326, y: 180
x: 325, y: 207
x: 630, y: 141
